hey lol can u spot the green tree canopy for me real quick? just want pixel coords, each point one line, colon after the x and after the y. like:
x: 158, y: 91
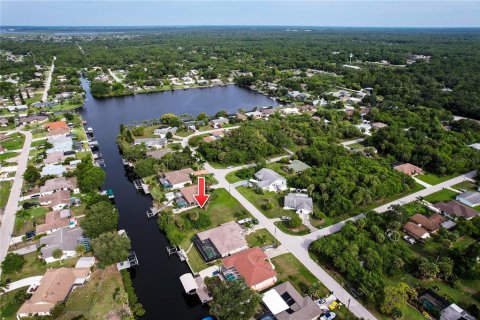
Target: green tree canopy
x: 100, y: 218
x: 110, y: 247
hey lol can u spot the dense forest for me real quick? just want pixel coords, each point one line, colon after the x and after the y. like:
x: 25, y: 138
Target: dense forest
x: 448, y: 78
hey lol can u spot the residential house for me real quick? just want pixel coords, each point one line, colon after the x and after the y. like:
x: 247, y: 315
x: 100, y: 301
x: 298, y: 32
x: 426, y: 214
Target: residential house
x: 286, y: 303
x: 55, y: 286
x: 52, y: 170
x: 177, y: 179
x: 292, y: 110
x: 158, y: 153
x: 416, y: 231
x: 267, y: 112
x: 56, y: 125
x: 293, y: 94
x: 188, y: 194
x: 226, y: 239
x: 46, y: 104
x: 253, y: 266
x: 454, y: 209
x: 218, y: 123
x: 254, y: 114
x: 408, y: 169
x: 379, y: 125
x: 60, y: 143
x: 56, y: 201
x: 208, y: 139
x: 296, y: 166
x: 190, y: 125
x: 17, y: 108
x: 470, y: 198
x: 269, y: 180
x: 31, y: 119
x: 3, y: 122
x: 307, y: 108
x: 431, y: 223
x: 54, y: 220
x: 58, y: 132
x: 152, y: 143
x: 301, y: 203
x: 60, y: 183
x: 54, y: 157
x: 218, y: 134
x: 241, y: 116
x: 162, y: 132
x: 454, y: 312
x: 65, y: 239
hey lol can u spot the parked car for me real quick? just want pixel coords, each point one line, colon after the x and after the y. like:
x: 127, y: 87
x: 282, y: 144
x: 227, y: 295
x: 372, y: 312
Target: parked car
x: 409, y: 239
x: 333, y: 305
x: 328, y: 316
x: 285, y: 218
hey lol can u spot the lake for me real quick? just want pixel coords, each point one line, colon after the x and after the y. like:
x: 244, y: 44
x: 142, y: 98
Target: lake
x: 156, y: 278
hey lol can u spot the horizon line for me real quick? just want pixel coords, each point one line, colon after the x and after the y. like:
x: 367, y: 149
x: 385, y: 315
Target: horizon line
x: 235, y: 25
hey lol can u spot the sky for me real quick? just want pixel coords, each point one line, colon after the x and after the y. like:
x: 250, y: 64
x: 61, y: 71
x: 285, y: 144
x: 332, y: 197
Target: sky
x: 353, y: 13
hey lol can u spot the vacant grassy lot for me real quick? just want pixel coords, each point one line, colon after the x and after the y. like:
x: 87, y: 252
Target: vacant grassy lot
x: 5, y: 187
x: 35, y: 267
x: 442, y: 195
x: 260, y: 201
x: 95, y: 299
x: 14, y: 141
x: 25, y: 218
x: 467, y: 185
x: 285, y: 227
x: 8, y: 155
x: 260, y: 238
x: 433, y: 179
x: 9, y: 305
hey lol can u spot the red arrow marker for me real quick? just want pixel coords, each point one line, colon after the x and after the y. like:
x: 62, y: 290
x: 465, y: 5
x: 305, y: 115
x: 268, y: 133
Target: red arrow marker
x: 201, y: 197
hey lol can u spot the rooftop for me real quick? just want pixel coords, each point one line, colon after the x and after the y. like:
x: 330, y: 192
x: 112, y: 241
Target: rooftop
x: 65, y: 239
x: 226, y: 238
x: 455, y: 208
x: 179, y: 176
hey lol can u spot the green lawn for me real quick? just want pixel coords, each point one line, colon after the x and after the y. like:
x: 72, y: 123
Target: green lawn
x: 14, y: 141
x: 232, y: 177
x: 9, y: 305
x: 260, y: 200
x: 467, y: 185
x: 95, y: 299
x: 38, y: 143
x: 284, y: 226
x: 221, y: 207
x: 5, y: 187
x: 260, y: 238
x: 35, y: 267
x: 355, y: 146
x: 25, y: 223
x: 8, y: 155
x: 433, y: 179
x: 79, y: 133
x: 442, y: 195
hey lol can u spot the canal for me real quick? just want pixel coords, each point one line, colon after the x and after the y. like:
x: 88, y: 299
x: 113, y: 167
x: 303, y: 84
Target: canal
x: 156, y: 278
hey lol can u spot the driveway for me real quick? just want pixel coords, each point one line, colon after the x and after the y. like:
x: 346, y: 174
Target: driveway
x: 27, y: 282
x: 8, y: 219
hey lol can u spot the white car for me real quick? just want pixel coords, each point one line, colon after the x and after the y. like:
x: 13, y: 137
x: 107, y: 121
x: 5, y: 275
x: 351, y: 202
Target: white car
x: 328, y: 316
x: 409, y: 239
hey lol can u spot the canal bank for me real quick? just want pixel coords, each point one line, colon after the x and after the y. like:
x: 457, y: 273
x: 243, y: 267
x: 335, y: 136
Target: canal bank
x: 156, y: 278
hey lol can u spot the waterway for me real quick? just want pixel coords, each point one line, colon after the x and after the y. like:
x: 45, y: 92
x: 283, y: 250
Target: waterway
x: 156, y: 278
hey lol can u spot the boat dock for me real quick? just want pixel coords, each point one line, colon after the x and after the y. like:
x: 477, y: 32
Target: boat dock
x: 130, y: 262
x: 140, y: 185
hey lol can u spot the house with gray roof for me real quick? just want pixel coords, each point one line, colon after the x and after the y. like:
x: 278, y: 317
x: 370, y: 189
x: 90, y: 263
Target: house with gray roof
x: 218, y: 123
x: 65, y: 239
x: 162, y: 132
x: 301, y: 203
x: 269, y: 180
x: 152, y: 143
x: 296, y: 166
x: 454, y: 209
x: 471, y: 198
x: 52, y: 170
x: 286, y: 303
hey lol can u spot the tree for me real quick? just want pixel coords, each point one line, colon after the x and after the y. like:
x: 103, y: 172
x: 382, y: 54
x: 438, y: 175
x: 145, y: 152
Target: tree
x: 169, y: 135
x: 90, y: 178
x: 232, y: 300
x: 80, y: 249
x: 110, y: 247
x: 394, y: 297
x: 295, y: 222
x: 31, y: 174
x: 427, y: 269
x: 57, y: 253
x: 445, y: 267
x: 13, y: 262
x: 193, y: 215
x: 100, y: 218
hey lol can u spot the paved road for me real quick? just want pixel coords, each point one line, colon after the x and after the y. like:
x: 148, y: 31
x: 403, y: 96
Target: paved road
x: 8, y: 219
x: 423, y: 183
x: 349, y: 142
x: 427, y: 191
x: 298, y: 246
x: 114, y: 76
x: 26, y: 282
x: 49, y: 80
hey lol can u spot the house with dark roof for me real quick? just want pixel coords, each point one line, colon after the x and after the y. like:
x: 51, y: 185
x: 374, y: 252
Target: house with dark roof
x: 416, y: 231
x: 188, y: 194
x: 431, y: 223
x: 286, y: 303
x: 454, y: 209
